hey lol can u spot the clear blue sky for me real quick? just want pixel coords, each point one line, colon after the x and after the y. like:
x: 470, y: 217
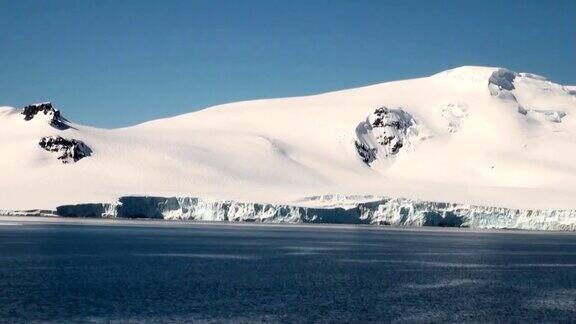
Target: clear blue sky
x: 118, y: 63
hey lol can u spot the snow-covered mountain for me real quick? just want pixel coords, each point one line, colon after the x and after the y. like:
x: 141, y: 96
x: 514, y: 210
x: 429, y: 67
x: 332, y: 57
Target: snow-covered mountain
x: 473, y: 135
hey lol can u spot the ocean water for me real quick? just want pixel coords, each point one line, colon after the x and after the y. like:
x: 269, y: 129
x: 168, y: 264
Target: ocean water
x: 153, y: 271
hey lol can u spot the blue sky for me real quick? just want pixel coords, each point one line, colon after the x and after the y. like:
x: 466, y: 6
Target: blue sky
x: 118, y: 63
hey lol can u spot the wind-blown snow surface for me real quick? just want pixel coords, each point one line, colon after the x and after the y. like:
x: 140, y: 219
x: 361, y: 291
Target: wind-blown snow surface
x: 479, y: 142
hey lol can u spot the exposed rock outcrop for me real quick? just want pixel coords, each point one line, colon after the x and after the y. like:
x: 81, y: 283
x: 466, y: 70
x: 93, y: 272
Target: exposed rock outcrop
x: 501, y: 79
x: 53, y: 115
x: 367, y: 154
x: 69, y: 150
x: 385, y: 133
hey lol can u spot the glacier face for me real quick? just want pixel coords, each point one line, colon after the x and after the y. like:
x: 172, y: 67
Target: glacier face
x: 377, y: 210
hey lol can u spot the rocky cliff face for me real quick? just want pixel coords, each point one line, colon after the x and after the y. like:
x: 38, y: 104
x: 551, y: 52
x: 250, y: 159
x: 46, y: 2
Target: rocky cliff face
x: 385, y: 133
x: 501, y: 79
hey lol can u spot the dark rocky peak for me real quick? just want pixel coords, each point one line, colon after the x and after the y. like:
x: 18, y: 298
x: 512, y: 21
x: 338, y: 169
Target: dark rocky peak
x: 69, y: 150
x: 53, y: 115
x: 501, y: 79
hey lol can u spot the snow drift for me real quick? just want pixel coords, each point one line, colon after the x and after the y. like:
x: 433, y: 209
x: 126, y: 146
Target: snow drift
x: 474, y: 136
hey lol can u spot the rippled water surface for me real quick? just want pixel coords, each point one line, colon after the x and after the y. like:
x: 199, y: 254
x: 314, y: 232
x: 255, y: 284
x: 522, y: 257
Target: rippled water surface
x: 107, y: 271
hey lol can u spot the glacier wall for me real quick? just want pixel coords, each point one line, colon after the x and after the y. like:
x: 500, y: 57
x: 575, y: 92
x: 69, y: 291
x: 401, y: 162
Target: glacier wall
x: 379, y: 211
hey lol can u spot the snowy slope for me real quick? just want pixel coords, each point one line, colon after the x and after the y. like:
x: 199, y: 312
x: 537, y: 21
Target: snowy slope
x: 466, y: 136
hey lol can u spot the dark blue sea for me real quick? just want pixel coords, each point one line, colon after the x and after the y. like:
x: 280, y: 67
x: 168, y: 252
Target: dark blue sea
x: 155, y: 271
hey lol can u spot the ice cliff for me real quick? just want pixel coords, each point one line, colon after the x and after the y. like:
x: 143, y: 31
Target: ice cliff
x: 379, y: 211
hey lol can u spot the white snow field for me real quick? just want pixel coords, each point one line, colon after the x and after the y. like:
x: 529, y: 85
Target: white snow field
x: 472, y: 135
